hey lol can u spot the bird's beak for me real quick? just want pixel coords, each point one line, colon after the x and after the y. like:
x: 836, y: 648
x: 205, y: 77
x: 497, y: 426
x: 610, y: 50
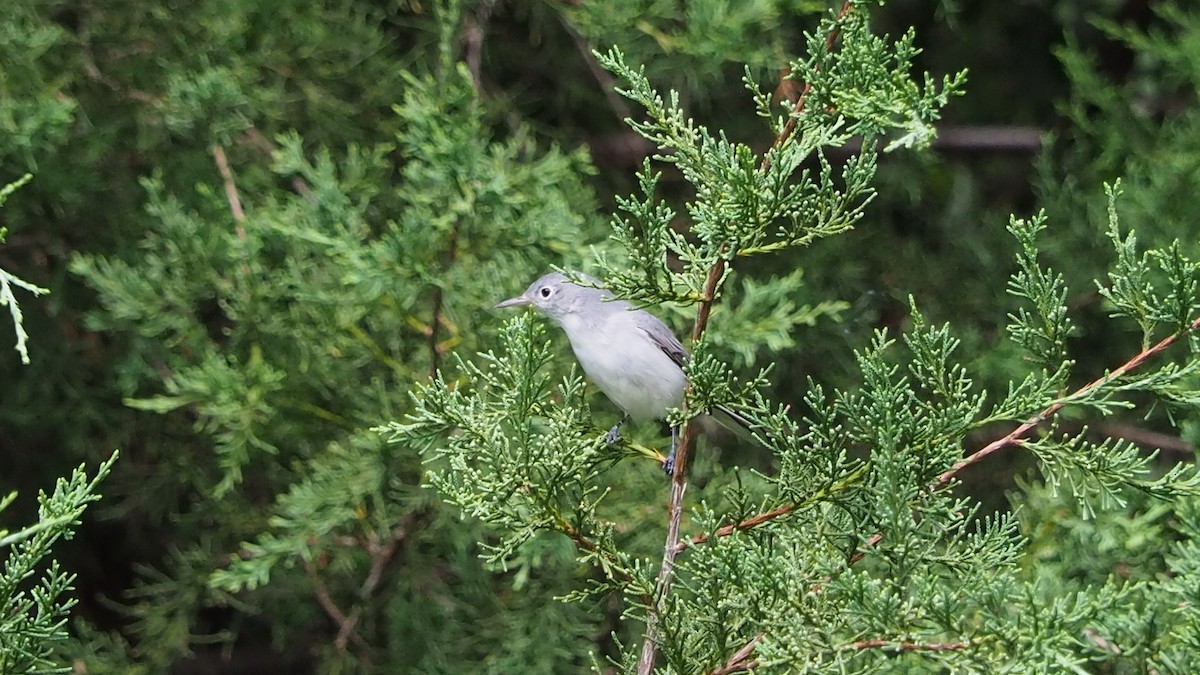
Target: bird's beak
x: 518, y: 301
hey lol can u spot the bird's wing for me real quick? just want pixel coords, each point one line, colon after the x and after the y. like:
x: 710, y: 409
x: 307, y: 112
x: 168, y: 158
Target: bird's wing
x: 662, y: 336
x: 666, y: 341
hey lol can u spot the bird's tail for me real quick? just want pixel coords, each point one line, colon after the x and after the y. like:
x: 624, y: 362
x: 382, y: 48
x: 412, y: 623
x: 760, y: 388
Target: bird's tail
x: 730, y: 414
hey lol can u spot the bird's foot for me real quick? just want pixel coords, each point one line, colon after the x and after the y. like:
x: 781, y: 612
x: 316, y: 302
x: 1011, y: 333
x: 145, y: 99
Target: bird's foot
x: 668, y: 464
x: 614, y: 434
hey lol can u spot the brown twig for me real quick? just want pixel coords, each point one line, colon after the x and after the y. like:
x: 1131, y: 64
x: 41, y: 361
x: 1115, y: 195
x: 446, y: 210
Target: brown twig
x: 608, y: 84
x: 88, y: 56
x: 1146, y: 438
x: 330, y: 607
x: 1015, y: 436
x: 990, y: 139
x: 381, y: 556
x: 686, y: 437
x: 473, y: 39
x: 749, y: 523
x: 576, y: 536
x: 231, y: 192
x: 435, y: 350
x: 257, y: 140
x: 678, y: 484
x: 740, y: 662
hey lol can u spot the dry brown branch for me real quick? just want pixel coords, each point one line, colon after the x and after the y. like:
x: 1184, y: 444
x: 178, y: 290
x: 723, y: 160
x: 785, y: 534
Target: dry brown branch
x: 330, y: 607
x: 88, y: 56
x: 381, y: 557
x: 1146, y: 438
x: 1133, y: 434
x: 474, y: 35
x: 749, y: 523
x: 435, y: 349
x: 740, y: 662
x: 1014, y: 436
x: 688, y: 433
x: 255, y: 138
x: 608, y: 84
x: 231, y: 192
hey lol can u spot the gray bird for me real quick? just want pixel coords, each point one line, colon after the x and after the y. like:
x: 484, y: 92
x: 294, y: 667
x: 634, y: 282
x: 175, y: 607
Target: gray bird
x: 627, y: 352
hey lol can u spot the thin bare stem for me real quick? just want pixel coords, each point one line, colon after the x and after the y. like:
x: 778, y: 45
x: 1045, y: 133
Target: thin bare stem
x: 678, y: 485
x: 475, y: 34
x: 1014, y: 436
x: 331, y: 609
x: 747, y: 524
x: 688, y: 433
x: 435, y: 349
x: 740, y: 662
x: 1011, y: 439
x: 381, y: 557
x: 231, y: 191
x: 608, y: 84
x: 255, y: 138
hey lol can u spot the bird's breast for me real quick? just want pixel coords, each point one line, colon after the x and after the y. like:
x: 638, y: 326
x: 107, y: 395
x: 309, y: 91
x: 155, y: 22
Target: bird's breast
x: 626, y: 364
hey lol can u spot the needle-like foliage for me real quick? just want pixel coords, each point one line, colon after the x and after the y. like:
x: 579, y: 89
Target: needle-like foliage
x: 35, y: 598
x: 853, y: 552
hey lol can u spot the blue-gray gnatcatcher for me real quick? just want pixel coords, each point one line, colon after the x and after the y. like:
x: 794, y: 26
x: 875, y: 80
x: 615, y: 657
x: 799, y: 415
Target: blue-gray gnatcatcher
x: 627, y: 352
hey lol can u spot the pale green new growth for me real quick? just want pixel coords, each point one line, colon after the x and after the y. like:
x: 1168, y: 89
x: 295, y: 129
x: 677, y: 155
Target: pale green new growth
x: 33, y: 614
x: 9, y: 280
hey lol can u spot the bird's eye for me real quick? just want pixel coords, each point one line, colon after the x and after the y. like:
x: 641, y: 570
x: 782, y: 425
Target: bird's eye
x: 546, y: 291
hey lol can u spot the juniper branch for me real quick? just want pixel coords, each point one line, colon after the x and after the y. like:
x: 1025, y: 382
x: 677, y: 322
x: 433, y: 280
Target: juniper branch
x: 741, y: 660
x: 1014, y: 437
x: 683, y: 448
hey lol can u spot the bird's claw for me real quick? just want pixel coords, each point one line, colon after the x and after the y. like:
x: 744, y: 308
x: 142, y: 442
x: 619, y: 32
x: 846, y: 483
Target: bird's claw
x: 614, y: 434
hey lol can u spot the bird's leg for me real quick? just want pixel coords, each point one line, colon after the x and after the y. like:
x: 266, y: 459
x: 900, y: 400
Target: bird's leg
x: 669, y: 463
x: 614, y: 434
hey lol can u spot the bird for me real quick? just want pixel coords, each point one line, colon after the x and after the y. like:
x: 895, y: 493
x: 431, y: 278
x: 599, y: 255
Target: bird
x: 630, y: 354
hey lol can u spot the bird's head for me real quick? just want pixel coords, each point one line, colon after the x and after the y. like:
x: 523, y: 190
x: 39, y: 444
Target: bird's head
x: 556, y: 296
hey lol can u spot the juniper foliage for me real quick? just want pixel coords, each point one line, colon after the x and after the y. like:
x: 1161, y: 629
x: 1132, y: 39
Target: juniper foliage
x: 35, y: 592
x: 854, y: 552
x: 9, y: 281
x: 281, y: 257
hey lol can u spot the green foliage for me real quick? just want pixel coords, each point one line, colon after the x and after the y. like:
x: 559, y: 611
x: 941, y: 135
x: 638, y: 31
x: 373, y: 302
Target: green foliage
x: 285, y: 333
x: 35, y: 601
x: 856, y: 555
x: 267, y: 225
x: 8, y: 281
x: 702, y: 40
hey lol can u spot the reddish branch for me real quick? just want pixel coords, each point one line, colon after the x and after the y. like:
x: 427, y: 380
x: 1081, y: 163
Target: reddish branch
x: 381, y: 557
x: 751, y: 522
x: 740, y: 662
x: 576, y: 536
x: 435, y: 349
x: 255, y: 138
x: 330, y: 607
x: 382, y: 554
x: 1014, y: 437
x: 687, y: 435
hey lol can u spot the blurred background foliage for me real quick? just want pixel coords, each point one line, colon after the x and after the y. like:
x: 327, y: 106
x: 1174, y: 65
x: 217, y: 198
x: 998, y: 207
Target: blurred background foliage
x: 263, y: 222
